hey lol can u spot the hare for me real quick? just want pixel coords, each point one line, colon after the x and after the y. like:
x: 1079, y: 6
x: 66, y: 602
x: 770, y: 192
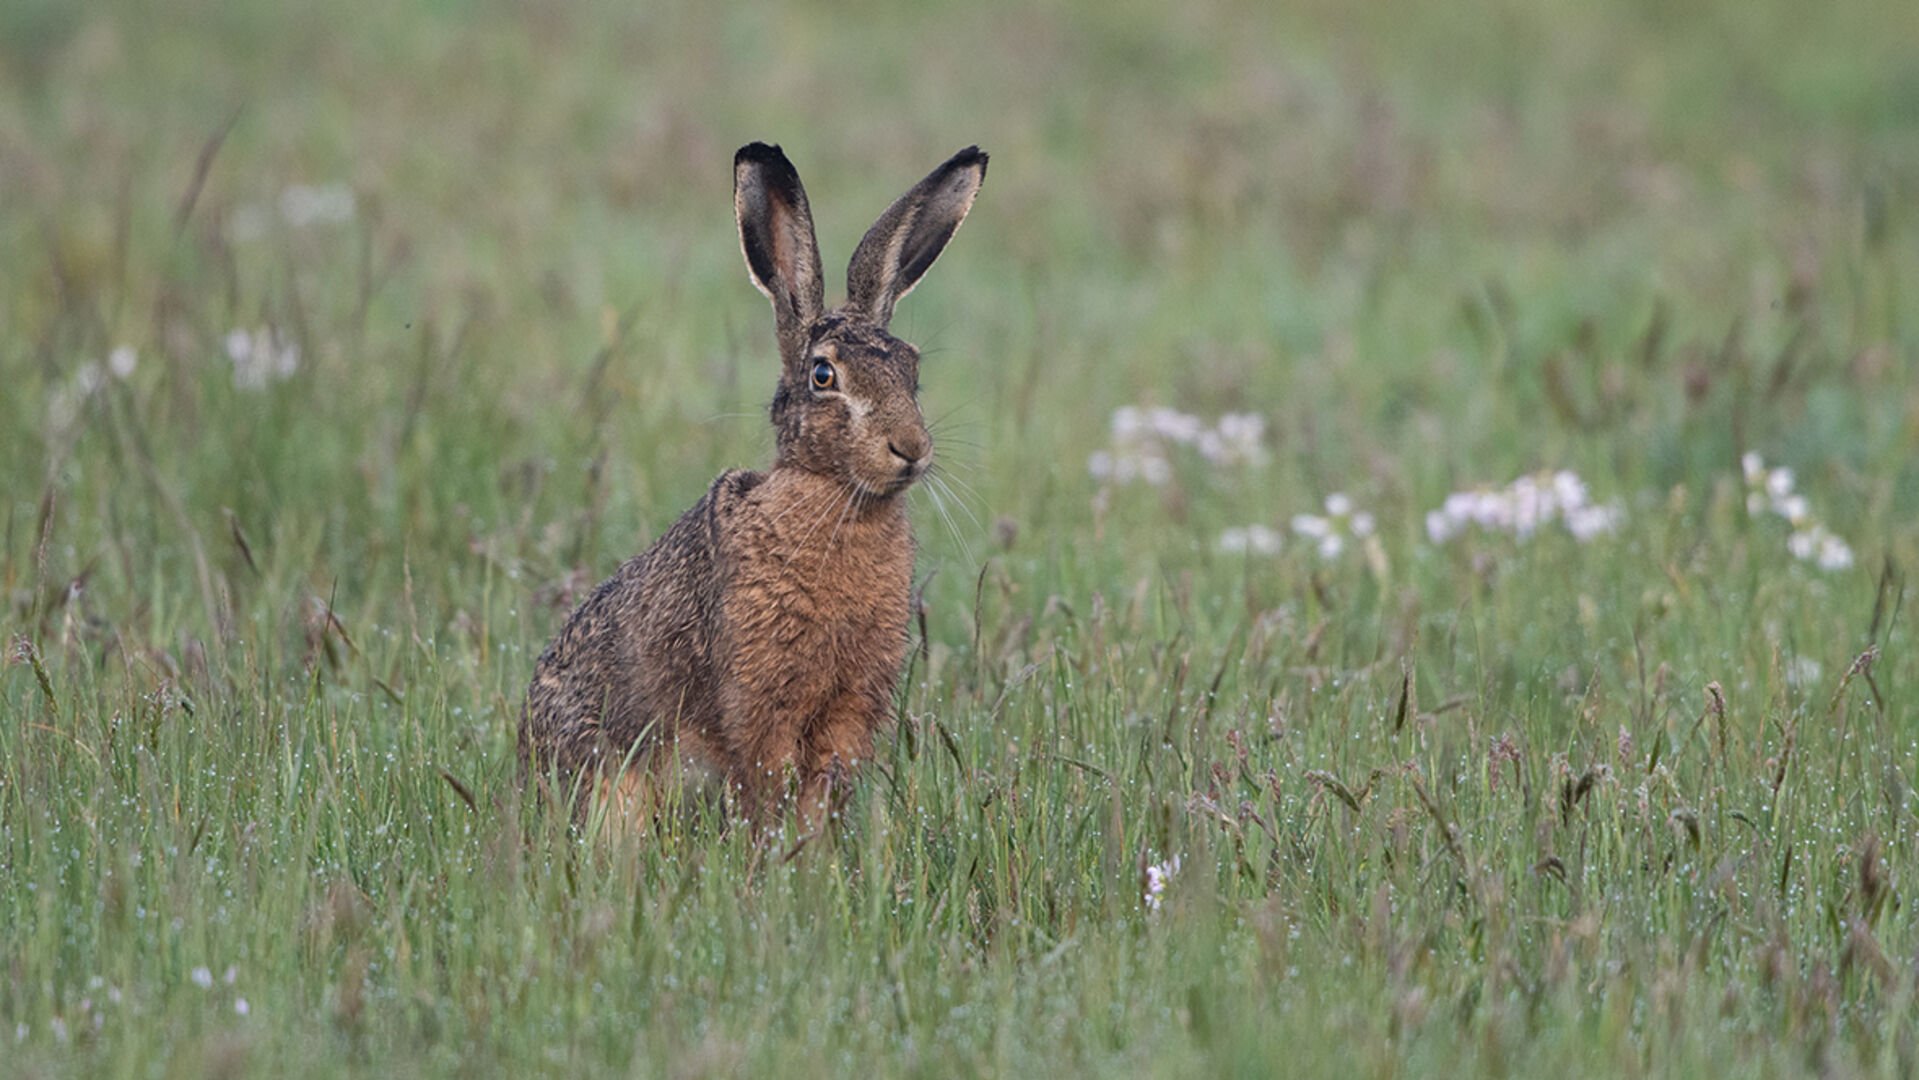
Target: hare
x: 761, y: 636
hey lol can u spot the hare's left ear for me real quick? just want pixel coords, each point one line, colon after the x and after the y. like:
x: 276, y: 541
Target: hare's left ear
x: 906, y: 239
x: 776, y: 235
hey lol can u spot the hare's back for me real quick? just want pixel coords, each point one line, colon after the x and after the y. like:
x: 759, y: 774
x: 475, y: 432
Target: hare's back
x: 635, y: 659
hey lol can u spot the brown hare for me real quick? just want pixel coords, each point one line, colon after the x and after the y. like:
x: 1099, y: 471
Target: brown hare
x: 761, y: 636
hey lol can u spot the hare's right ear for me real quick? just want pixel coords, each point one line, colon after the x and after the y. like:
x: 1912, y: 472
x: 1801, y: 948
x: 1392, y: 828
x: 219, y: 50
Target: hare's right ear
x: 776, y: 235
x: 906, y: 239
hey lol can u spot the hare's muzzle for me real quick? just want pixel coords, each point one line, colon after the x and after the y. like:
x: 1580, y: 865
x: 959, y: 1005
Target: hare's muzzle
x: 912, y: 452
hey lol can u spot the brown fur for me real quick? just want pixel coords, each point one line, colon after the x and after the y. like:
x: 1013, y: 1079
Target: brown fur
x: 761, y: 636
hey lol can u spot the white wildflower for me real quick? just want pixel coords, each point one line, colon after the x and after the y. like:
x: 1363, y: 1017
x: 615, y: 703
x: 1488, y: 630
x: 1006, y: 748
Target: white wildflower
x: 1157, y: 876
x: 1236, y: 439
x: 1834, y: 554
x: 1144, y: 441
x: 1532, y: 506
x: 1525, y: 506
x: 1779, y: 484
x: 1587, y: 523
x: 260, y: 357
x: 1818, y: 545
x: 1342, y: 523
x: 203, y: 978
x: 1174, y: 426
x: 1772, y: 491
x: 1490, y: 508
x: 240, y: 1006
x: 121, y: 361
x: 1249, y: 540
x: 1569, y: 489
x: 1804, y: 543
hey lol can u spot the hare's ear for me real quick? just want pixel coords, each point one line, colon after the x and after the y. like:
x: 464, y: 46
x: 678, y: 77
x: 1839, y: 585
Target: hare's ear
x: 907, y: 238
x: 776, y: 235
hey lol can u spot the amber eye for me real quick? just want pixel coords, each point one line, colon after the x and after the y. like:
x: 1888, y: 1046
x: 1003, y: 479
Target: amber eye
x: 823, y: 376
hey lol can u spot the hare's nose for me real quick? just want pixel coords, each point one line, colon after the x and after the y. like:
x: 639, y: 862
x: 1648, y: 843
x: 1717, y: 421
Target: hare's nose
x: 910, y: 449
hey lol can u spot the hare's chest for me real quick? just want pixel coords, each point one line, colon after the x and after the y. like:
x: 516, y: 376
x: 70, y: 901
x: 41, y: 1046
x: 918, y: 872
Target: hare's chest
x: 840, y: 604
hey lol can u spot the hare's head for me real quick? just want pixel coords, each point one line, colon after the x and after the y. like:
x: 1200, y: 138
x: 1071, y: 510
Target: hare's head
x: 847, y: 405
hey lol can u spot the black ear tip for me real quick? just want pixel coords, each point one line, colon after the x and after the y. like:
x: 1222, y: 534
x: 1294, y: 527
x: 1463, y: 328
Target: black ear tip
x: 759, y: 153
x: 968, y: 158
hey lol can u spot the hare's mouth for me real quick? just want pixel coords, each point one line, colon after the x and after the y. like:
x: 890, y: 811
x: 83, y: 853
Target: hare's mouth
x: 886, y: 488
x: 886, y: 484
x: 894, y: 472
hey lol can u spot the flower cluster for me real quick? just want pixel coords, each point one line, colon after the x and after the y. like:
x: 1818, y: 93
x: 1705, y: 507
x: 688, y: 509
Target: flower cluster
x: 1525, y: 506
x: 1236, y: 439
x: 1772, y: 491
x: 1249, y: 540
x: 202, y: 977
x: 1143, y: 441
x: 66, y: 401
x: 260, y: 357
x: 1157, y: 877
x: 1341, y: 524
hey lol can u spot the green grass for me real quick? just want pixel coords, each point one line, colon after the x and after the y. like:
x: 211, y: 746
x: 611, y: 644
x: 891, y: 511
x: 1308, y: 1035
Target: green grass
x: 1450, y: 808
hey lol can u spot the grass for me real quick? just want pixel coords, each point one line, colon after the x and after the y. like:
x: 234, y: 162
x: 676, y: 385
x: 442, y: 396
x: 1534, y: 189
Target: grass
x: 1637, y: 805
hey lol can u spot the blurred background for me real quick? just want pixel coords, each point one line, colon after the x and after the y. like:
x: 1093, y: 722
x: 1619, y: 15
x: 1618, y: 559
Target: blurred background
x: 302, y: 300
x: 354, y: 301
x: 492, y: 243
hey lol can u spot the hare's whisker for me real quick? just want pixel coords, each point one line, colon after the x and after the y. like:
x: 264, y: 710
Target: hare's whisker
x: 947, y: 487
x: 939, y: 503
x: 955, y: 462
x: 802, y: 501
x: 852, y: 501
x: 961, y: 443
x: 824, y: 513
x: 950, y: 480
x: 948, y: 414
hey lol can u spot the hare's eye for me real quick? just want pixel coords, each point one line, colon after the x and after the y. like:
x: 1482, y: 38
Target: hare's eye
x: 823, y: 376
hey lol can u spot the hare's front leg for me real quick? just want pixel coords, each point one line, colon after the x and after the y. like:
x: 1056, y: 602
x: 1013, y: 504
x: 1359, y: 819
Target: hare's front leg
x: 839, y: 741
x: 765, y: 713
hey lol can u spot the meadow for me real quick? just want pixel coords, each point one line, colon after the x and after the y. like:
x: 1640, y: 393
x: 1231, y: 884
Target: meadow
x: 1418, y: 582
